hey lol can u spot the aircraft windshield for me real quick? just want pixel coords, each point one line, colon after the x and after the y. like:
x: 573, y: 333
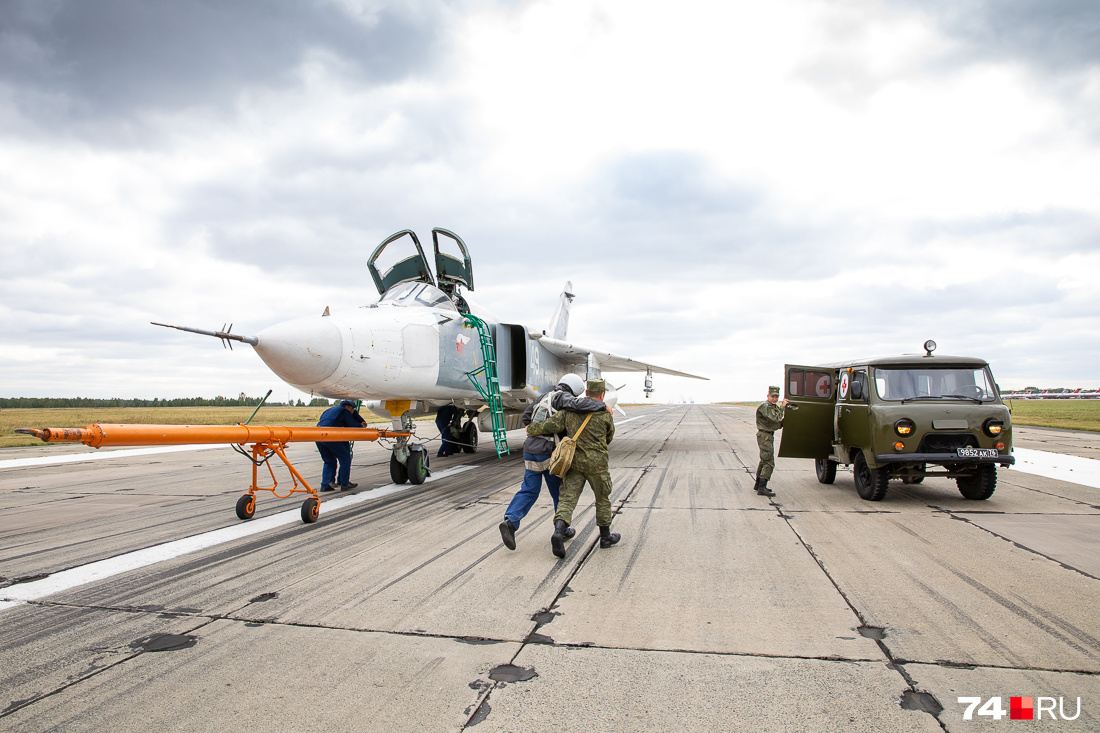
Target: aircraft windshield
x: 418, y: 293
x: 946, y: 383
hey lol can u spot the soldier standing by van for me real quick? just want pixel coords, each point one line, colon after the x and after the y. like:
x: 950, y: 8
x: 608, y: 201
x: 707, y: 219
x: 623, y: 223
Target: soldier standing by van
x: 769, y: 418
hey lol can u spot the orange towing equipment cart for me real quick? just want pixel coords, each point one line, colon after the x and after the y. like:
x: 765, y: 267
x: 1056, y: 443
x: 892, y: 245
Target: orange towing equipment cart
x: 265, y: 441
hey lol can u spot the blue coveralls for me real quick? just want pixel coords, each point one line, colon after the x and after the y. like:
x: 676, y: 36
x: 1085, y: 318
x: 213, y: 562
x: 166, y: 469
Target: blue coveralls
x: 528, y: 493
x: 443, y: 421
x: 337, y: 452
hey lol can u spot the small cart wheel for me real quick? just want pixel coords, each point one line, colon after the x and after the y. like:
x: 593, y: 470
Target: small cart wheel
x: 310, y: 509
x: 246, y: 506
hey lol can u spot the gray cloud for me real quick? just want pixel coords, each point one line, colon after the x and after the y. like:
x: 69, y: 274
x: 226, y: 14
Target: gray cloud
x: 1054, y: 37
x: 81, y: 63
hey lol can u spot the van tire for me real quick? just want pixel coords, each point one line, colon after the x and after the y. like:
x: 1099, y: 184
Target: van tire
x: 870, y: 482
x: 826, y: 470
x: 981, y: 485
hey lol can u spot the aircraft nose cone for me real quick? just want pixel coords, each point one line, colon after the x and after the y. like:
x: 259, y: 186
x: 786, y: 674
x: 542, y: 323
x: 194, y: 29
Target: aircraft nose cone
x: 304, y: 351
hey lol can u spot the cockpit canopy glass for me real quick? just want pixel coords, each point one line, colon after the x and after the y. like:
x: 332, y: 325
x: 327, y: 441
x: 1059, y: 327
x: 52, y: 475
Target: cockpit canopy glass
x: 418, y: 293
x: 895, y: 384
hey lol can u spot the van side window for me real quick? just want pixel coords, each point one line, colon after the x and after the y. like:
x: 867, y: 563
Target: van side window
x: 807, y: 383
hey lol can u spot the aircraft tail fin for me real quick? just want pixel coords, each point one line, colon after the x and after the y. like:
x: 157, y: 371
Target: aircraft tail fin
x: 559, y: 324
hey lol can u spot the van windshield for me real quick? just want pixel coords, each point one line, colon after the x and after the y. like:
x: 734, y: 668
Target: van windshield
x: 899, y: 384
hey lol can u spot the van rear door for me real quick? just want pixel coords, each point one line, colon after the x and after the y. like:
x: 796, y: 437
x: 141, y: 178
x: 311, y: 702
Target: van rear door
x: 808, y: 421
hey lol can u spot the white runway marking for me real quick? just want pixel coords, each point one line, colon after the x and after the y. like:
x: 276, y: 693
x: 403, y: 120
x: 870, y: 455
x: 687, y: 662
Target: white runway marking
x: 1075, y: 469
x: 98, y: 456
x: 66, y: 579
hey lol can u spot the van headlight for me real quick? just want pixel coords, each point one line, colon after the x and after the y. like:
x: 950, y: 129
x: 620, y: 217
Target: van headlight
x: 904, y: 427
x: 993, y: 428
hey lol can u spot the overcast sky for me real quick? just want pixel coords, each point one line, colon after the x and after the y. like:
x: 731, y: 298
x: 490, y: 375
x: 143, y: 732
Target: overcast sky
x: 730, y: 186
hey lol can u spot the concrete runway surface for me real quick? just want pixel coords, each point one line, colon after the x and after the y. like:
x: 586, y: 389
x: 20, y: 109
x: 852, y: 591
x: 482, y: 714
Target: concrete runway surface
x: 131, y: 606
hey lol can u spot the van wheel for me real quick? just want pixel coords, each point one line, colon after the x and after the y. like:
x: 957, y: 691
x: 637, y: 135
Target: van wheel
x: 913, y: 479
x: 870, y: 482
x: 980, y: 485
x: 826, y: 470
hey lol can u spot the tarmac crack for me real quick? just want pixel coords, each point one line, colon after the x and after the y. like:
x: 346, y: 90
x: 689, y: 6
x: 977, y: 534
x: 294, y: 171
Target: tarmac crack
x: 149, y: 645
x: 927, y: 701
x: 959, y: 517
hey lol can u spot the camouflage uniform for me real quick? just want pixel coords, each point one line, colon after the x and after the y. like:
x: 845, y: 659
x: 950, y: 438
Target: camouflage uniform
x: 589, y: 461
x: 769, y: 418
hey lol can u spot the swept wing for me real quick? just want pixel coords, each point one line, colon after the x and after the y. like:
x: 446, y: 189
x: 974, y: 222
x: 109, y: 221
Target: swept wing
x: 608, y: 362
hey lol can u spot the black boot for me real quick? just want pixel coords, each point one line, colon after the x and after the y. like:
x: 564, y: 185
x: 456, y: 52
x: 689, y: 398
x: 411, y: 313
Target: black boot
x: 762, y: 487
x: 557, y: 540
x: 608, y: 538
x: 570, y: 533
x: 756, y: 486
x: 508, y: 533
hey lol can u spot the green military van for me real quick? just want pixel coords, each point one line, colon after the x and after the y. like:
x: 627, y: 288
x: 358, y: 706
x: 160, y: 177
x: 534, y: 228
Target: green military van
x: 902, y: 417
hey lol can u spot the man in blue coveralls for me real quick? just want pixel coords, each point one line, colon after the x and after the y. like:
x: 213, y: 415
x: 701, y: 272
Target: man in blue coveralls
x: 342, y: 415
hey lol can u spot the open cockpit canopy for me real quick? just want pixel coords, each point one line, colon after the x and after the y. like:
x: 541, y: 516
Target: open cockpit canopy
x: 393, y: 265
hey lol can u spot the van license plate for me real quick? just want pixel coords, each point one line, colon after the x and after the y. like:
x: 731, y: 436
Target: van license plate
x: 977, y: 452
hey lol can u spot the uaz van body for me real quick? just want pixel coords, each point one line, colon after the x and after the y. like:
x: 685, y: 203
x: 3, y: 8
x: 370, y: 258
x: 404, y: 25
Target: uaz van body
x: 899, y: 418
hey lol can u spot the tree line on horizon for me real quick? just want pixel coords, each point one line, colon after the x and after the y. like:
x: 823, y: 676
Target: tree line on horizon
x: 219, y: 401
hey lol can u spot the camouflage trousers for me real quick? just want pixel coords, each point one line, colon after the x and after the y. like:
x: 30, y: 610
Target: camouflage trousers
x: 767, y: 454
x: 571, y: 488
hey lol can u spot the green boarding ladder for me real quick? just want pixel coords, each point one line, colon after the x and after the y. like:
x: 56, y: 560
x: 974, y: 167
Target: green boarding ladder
x: 484, y: 379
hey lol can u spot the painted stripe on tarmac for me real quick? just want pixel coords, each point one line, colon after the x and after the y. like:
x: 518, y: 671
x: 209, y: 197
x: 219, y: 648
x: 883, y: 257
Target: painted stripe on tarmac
x: 1075, y: 469
x: 63, y: 580
x: 99, y: 456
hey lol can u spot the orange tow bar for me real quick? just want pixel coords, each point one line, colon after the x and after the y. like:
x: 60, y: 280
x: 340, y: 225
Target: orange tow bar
x: 265, y: 441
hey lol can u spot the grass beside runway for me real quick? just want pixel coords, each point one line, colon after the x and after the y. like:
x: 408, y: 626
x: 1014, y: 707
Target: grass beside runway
x: 1064, y: 414
x: 78, y: 417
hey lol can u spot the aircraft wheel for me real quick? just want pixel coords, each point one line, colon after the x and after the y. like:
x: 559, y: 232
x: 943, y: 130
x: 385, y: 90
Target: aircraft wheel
x: 469, y: 437
x: 870, y: 482
x: 310, y: 509
x: 981, y: 485
x: 246, y: 506
x: 826, y: 470
x: 417, y: 467
x: 398, y: 473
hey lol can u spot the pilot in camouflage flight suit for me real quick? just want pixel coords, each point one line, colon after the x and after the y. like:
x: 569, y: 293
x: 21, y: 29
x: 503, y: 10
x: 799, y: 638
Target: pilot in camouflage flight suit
x: 589, y: 464
x: 769, y: 418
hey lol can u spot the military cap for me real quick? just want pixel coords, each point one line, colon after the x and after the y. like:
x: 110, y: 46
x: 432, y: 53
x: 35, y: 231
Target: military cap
x: 773, y: 390
x: 595, y: 386
x: 347, y: 403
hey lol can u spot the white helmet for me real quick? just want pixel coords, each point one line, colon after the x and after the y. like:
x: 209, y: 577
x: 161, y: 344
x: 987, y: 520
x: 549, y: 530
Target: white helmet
x: 574, y: 383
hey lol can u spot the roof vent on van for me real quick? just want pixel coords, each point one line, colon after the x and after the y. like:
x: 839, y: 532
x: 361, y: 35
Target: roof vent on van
x: 929, y: 347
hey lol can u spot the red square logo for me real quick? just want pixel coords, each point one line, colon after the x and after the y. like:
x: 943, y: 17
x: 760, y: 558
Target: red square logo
x: 1021, y: 708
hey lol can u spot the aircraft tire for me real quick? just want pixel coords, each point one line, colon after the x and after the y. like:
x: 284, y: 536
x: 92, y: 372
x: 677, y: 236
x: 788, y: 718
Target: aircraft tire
x: 826, y: 470
x: 417, y: 467
x: 310, y: 509
x: 981, y: 485
x: 246, y: 506
x: 870, y: 482
x: 469, y: 437
x: 398, y: 473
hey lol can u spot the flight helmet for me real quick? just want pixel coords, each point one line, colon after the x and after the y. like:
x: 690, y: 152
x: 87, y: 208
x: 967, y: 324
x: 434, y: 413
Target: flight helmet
x: 574, y: 383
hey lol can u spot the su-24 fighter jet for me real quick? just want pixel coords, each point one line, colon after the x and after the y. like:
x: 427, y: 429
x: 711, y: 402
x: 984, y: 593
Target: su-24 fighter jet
x: 426, y: 345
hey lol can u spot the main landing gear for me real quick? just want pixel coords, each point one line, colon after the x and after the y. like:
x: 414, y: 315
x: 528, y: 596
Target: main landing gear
x: 408, y: 461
